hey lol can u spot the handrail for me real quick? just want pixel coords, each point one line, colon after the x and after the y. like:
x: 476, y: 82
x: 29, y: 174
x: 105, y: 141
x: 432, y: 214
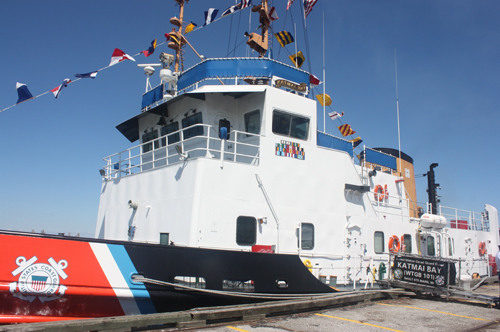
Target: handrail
x: 160, y: 153
x: 475, y: 220
x: 400, y: 207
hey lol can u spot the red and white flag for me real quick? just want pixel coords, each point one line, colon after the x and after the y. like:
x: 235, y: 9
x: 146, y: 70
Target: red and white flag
x: 57, y: 91
x: 308, y: 6
x: 289, y: 4
x: 313, y: 80
x: 273, y: 16
x: 245, y: 3
x: 119, y: 55
x: 334, y: 115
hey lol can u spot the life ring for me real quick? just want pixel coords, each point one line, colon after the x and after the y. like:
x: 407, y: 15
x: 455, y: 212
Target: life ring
x: 309, y: 265
x: 482, y: 249
x: 394, y: 244
x: 379, y: 193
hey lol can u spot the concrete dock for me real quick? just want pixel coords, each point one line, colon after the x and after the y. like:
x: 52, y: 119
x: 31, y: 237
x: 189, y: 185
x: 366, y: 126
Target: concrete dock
x: 402, y: 314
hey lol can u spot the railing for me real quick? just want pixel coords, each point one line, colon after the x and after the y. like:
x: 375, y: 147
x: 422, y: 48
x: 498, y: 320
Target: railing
x: 384, y: 208
x: 462, y: 219
x: 202, y: 141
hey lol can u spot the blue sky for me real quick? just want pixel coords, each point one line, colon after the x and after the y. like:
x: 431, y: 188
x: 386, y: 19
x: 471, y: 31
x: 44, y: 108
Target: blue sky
x: 448, y: 55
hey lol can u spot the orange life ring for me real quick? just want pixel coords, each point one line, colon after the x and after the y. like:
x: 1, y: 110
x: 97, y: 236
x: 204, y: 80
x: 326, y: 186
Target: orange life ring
x: 379, y: 193
x: 482, y: 249
x: 394, y: 244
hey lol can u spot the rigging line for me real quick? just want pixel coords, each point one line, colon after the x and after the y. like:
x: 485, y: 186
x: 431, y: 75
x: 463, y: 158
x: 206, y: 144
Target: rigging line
x: 238, y: 45
x: 24, y: 101
x: 230, y: 30
x: 330, y: 107
x: 72, y: 81
x: 217, y: 19
x: 304, y: 24
x: 284, y: 24
x: 293, y: 24
x: 236, y: 36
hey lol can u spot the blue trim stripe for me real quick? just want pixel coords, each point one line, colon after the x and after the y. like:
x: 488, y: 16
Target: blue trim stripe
x: 127, y: 268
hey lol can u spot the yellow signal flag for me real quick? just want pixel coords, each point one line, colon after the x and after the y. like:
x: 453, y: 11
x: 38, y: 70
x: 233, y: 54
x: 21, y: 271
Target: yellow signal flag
x: 324, y: 99
x: 356, y: 141
x: 298, y: 59
x: 284, y: 38
x: 346, y: 130
x: 190, y: 27
x: 174, y: 38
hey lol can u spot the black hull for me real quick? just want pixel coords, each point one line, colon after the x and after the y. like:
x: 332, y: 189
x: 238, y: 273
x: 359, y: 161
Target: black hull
x: 105, y: 270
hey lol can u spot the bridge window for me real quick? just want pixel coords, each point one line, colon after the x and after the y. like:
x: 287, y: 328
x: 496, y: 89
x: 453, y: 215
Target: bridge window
x: 149, y: 136
x: 378, y: 241
x: 170, y: 128
x: 290, y: 125
x: 252, y: 122
x: 190, y: 121
x: 246, y: 231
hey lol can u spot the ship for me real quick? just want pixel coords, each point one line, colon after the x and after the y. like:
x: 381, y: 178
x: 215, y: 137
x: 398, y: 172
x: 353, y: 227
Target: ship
x: 221, y: 200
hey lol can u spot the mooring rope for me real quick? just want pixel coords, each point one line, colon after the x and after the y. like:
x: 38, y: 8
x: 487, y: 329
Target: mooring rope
x: 142, y: 279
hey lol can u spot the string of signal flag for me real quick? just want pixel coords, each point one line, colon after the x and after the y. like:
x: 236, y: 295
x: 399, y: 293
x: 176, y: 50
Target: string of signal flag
x: 118, y: 55
x: 283, y: 37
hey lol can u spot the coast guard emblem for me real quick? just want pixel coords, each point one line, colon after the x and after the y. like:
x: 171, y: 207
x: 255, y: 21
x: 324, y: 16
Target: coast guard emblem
x: 38, y: 280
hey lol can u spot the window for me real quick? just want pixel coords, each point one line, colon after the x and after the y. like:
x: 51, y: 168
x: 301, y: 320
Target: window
x: 167, y: 129
x: 224, y: 129
x: 450, y: 246
x: 378, y: 241
x: 290, y: 125
x: 252, y: 122
x: 299, y: 128
x: 146, y: 137
x: 307, y: 236
x: 190, y: 121
x: 430, y: 246
x: 164, y: 238
x: 407, y: 243
x: 246, y: 231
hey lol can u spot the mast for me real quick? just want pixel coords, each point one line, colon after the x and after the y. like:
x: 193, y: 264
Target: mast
x: 260, y: 43
x: 177, y: 37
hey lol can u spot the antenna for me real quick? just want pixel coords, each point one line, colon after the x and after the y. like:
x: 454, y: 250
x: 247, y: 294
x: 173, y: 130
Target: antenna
x: 324, y: 78
x: 149, y: 70
x: 397, y: 106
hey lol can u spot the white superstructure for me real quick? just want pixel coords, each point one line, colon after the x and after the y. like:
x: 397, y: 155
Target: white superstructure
x: 270, y: 183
